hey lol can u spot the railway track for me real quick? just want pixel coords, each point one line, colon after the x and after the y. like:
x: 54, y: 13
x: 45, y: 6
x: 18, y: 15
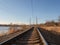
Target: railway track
x: 30, y: 37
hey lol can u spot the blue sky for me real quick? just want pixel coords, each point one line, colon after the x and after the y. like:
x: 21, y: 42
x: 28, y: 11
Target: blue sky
x: 20, y: 11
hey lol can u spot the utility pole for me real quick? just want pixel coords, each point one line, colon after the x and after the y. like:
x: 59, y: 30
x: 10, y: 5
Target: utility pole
x: 36, y: 21
x: 59, y: 18
x: 30, y: 22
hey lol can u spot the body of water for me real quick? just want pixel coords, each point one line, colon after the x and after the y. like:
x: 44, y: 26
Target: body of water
x: 4, y: 29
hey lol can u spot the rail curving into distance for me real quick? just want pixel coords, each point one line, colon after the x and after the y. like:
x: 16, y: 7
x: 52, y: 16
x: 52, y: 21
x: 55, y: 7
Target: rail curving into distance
x: 29, y: 37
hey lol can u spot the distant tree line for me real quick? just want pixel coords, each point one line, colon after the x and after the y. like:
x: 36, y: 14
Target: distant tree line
x: 52, y: 23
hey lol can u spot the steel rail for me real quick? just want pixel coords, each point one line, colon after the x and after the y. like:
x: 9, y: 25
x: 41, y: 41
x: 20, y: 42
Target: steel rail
x: 14, y: 35
x: 43, y: 40
x: 36, y: 32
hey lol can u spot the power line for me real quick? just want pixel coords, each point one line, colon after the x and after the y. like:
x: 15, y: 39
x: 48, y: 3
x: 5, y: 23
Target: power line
x: 32, y: 6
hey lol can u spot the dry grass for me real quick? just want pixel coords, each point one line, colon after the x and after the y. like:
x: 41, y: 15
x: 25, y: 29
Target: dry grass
x: 53, y: 29
x: 51, y: 34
